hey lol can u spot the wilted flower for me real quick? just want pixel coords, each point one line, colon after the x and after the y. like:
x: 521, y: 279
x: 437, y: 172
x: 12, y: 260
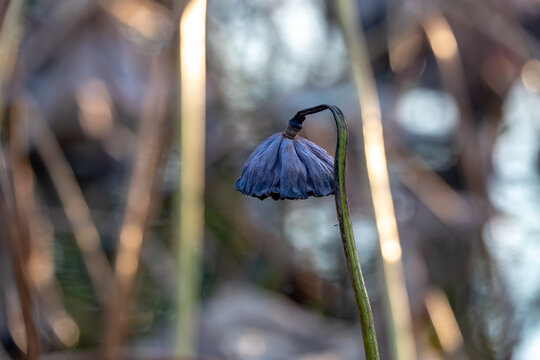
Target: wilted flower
x: 287, y: 166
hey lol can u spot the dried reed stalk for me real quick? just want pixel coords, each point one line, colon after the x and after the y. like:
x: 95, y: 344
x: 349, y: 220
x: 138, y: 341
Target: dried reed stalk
x: 190, y: 196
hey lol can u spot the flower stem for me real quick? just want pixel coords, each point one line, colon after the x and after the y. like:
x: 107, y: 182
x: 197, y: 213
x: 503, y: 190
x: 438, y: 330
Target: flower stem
x: 345, y: 227
x: 401, y: 334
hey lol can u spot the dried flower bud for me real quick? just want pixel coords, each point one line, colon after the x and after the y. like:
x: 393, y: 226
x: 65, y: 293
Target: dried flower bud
x: 287, y: 166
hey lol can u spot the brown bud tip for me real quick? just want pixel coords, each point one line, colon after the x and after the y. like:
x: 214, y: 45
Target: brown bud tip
x: 291, y: 132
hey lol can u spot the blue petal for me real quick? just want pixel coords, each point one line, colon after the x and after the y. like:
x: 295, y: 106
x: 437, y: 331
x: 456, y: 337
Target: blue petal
x: 260, y: 175
x: 319, y: 152
x: 319, y: 166
x: 285, y: 168
x: 293, y: 178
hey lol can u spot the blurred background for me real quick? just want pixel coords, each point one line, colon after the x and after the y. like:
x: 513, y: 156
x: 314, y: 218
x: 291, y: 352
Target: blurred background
x: 124, y: 125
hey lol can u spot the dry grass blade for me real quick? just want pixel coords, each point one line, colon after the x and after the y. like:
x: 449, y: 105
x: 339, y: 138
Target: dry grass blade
x: 75, y: 206
x: 139, y: 200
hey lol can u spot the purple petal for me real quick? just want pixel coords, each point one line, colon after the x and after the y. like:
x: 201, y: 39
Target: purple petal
x: 320, y: 167
x: 285, y: 168
x: 293, y: 177
x: 260, y: 175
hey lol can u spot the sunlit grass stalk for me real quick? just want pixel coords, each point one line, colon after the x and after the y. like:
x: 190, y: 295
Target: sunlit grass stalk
x: 190, y: 196
x: 399, y: 312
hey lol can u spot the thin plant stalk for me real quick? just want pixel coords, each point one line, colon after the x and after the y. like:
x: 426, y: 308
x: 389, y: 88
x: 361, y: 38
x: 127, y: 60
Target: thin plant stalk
x: 345, y: 228
x: 19, y: 260
x: 190, y: 197
x: 400, y: 320
x: 347, y: 238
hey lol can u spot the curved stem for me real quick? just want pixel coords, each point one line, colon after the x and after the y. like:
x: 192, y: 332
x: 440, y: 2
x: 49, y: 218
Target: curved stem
x: 345, y: 226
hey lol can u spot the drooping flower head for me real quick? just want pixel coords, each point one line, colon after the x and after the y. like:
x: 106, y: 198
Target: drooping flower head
x: 287, y: 166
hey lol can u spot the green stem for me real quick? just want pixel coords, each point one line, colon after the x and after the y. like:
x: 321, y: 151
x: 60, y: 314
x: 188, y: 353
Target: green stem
x: 345, y: 227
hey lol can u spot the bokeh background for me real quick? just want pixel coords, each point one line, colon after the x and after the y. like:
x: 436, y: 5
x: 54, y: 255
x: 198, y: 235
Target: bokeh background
x: 122, y: 234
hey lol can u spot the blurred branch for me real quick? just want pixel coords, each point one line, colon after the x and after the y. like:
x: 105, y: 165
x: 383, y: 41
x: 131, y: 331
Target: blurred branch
x: 139, y: 200
x: 400, y: 317
x: 74, y: 203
